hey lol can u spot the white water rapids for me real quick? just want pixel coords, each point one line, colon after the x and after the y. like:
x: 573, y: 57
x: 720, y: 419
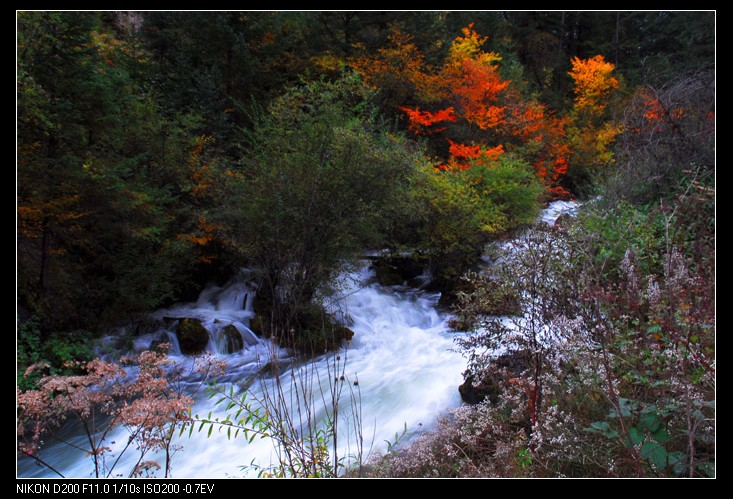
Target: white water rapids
x: 400, y: 354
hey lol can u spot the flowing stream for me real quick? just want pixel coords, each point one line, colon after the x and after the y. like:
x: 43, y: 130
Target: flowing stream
x: 400, y: 357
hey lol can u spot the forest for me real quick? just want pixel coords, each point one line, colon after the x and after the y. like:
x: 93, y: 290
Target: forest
x: 159, y: 153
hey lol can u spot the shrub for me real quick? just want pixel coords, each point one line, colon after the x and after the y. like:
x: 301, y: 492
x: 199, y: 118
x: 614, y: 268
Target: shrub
x: 455, y: 213
x: 56, y: 353
x: 668, y: 129
x: 150, y: 406
x: 617, y: 332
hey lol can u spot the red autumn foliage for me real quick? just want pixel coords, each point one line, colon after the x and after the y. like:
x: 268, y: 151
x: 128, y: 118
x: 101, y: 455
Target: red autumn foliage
x: 476, y: 88
x: 421, y: 121
x: 657, y: 115
x: 469, y: 90
x: 552, y: 160
x: 463, y: 151
x: 461, y: 155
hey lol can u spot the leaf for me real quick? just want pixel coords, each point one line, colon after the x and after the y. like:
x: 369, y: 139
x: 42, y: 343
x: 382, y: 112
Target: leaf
x: 655, y: 453
x: 654, y: 328
x: 651, y: 423
x: 635, y: 437
x: 603, y: 428
x: 651, y: 408
x: 625, y: 407
x: 678, y: 461
x: 707, y: 468
x: 661, y: 435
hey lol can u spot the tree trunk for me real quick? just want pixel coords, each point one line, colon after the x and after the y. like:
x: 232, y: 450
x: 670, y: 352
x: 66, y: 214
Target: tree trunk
x: 45, y: 243
x: 561, y: 37
x: 616, y: 37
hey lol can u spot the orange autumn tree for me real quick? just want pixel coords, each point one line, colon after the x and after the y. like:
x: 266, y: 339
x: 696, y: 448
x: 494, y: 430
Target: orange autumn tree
x: 201, y: 186
x: 540, y: 135
x: 593, y: 83
x: 473, y: 80
x: 467, y: 104
x: 398, y: 70
x: 591, y: 131
x: 470, y: 81
x: 463, y: 155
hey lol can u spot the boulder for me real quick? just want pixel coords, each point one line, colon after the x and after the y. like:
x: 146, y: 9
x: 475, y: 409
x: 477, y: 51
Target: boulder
x: 192, y: 336
x: 334, y: 335
x: 494, y: 378
x: 260, y: 325
x: 396, y: 270
x: 387, y: 276
x: 232, y: 339
x: 275, y: 367
x: 342, y: 333
x: 470, y: 394
x: 318, y: 340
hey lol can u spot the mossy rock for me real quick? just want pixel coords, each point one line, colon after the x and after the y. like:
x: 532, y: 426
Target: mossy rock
x: 494, y: 378
x: 397, y: 270
x: 192, y: 336
x: 311, y: 330
x: 387, y: 276
x: 316, y: 341
x: 260, y: 325
x: 315, y: 332
x: 472, y: 394
x: 343, y: 333
x: 275, y: 367
x: 232, y: 339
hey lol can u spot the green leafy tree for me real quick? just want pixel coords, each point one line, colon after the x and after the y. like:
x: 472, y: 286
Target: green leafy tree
x: 321, y: 167
x: 98, y: 178
x: 447, y: 217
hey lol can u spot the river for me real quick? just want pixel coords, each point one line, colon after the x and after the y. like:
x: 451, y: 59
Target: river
x: 400, y: 358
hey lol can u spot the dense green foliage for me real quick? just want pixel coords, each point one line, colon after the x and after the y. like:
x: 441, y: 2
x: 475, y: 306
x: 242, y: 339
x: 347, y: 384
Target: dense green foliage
x: 452, y: 215
x: 320, y: 171
x: 98, y: 177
